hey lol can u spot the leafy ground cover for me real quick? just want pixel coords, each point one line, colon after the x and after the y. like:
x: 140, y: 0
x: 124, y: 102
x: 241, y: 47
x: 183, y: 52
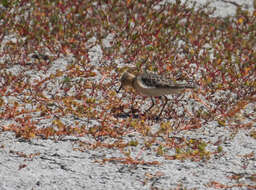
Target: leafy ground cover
x: 61, y: 62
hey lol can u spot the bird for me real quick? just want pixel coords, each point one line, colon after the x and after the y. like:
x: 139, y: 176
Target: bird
x: 154, y: 85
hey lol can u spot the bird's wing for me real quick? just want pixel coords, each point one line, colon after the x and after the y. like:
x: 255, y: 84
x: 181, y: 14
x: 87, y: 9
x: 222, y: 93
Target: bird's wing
x: 158, y: 81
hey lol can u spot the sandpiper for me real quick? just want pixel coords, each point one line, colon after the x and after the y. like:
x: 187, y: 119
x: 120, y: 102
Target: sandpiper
x: 154, y: 85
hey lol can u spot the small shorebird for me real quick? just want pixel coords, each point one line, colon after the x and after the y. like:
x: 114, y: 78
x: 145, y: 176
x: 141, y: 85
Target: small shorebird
x: 154, y: 85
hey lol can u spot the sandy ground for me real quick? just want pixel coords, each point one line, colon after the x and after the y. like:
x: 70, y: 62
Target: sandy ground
x: 57, y: 165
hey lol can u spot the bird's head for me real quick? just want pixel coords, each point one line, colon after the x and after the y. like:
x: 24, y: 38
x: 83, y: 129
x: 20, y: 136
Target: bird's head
x: 126, y: 80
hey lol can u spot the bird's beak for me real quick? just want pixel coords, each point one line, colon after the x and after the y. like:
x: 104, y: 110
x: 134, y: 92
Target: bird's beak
x: 119, y: 89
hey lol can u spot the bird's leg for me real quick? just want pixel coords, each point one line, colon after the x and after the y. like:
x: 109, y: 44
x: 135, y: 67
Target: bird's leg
x: 166, y: 100
x: 117, y: 91
x: 153, y: 103
x: 132, y: 107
